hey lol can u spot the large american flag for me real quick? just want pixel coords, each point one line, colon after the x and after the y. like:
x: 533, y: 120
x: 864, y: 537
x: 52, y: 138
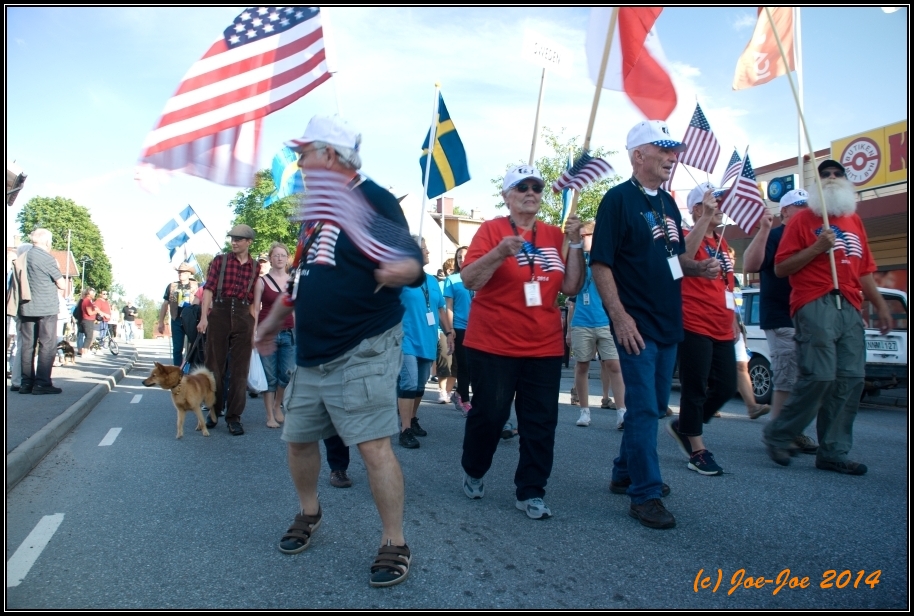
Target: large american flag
x: 585, y: 170
x: 266, y: 59
x: 733, y: 168
x: 703, y: 147
x: 743, y: 203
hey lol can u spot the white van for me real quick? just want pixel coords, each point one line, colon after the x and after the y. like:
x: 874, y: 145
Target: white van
x: 886, y: 356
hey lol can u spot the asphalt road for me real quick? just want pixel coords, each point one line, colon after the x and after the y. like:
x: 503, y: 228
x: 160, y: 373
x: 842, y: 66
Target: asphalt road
x: 151, y: 522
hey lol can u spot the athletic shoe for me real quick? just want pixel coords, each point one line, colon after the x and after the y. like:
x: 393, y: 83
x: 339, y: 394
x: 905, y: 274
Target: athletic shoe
x: 584, y: 419
x: 458, y: 403
x: 473, y: 488
x: 805, y: 444
x: 407, y: 439
x: 620, y: 419
x: 672, y: 428
x: 507, y: 433
x: 759, y: 411
x: 416, y: 428
x: 535, y: 508
x: 702, y: 461
x: 442, y: 398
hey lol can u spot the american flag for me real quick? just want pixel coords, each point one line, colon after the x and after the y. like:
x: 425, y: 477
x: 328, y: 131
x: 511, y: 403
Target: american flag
x: 846, y: 241
x: 668, y: 184
x: 743, y: 203
x: 266, y: 59
x: 703, y: 147
x: 726, y: 265
x: 657, y: 229
x: 732, y: 168
x: 585, y: 170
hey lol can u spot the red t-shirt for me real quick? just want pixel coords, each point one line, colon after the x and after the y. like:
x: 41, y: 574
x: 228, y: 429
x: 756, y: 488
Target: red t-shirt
x: 500, y: 321
x: 88, y: 309
x: 704, y: 301
x: 852, y: 258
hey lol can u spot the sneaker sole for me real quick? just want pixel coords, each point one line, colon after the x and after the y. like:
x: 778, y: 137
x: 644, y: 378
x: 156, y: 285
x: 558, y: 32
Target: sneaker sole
x: 708, y: 473
x: 544, y: 515
x: 654, y: 526
x: 582, y: 424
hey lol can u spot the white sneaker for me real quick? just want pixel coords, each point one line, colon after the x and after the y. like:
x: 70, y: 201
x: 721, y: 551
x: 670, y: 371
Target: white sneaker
x: 584, y: 419
x: 443, y: 398
x: 620, y: 419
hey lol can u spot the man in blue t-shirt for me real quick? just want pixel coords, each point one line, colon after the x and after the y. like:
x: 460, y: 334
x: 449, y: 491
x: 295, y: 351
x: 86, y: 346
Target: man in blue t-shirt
x: 774, y: 306
x: 589, y: 333
x: 637, y: 262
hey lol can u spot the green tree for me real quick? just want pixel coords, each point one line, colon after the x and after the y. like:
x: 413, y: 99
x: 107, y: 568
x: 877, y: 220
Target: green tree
x: 552, y: 166
x: 203, y: 260
x: 147, y: 310
x: 271, y: 223
x: 58, y: 215
x: 459, y: 211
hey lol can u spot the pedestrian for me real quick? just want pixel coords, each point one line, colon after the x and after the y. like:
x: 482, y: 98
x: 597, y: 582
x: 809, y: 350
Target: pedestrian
x: 346, y: 298
x: 129, y: 313
x: 444, y: 366
x: 514, y: 336
x: 459, y: 299
x: 177, y: 297
x: 88, y: 313
x: 17, y: 293
x: 104, y: 315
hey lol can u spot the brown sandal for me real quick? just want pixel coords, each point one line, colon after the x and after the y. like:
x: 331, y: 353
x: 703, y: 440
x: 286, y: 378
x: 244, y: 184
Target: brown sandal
x: 298, y: 537
x: 391, y: 566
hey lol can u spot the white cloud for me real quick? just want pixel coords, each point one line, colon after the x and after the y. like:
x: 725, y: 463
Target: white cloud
x: 745, y: 21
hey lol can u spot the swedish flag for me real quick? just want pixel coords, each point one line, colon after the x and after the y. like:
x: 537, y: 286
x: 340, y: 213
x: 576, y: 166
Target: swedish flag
x: 449, y: 160
x: 286, y: 176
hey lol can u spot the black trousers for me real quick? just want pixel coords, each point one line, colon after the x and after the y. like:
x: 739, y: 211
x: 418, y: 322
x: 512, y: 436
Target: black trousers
x: 229, y: 343
x: 463, y: 368
x: 40, y: 332
x: 337, y: 453
x: 533, y: 384
x: 707, y: 375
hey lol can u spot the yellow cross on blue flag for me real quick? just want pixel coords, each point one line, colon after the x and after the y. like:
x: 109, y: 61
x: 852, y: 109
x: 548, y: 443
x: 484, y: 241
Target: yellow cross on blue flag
x: 449, y: 160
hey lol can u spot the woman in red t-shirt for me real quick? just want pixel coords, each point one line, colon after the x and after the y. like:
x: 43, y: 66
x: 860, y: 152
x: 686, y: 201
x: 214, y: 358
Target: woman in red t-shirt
x: 514, y: 337
x: 87, y: 323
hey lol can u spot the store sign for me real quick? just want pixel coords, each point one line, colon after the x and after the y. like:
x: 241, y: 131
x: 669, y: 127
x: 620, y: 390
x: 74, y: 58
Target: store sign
x: 875, y: 157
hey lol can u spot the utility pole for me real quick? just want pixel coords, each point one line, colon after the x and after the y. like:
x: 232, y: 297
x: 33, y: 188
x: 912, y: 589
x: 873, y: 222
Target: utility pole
x: 84, y: 260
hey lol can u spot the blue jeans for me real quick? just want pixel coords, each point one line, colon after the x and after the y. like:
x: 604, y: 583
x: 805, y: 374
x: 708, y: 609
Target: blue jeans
x: 414, y: 373
x: 279, y: 365
x: 648, y: 378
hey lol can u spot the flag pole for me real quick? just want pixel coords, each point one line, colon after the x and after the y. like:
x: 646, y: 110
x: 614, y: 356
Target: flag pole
x: 812, y: 154
x: 432, y: 138
x: 536, y: 121
x: 799, y: 53
x: 218, y: 245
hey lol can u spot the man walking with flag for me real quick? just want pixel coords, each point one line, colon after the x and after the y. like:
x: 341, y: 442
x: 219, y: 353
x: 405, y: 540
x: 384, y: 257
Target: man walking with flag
x: 353, y: 258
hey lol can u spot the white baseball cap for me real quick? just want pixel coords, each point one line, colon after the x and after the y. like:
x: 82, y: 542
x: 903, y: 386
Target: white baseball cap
x: 697, y: 194
x: 520, y: 173
x: 329, y: 129
x: 652, y: 131
x: 794, y: 197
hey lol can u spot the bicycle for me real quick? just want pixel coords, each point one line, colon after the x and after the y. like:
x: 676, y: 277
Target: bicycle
x: 104, y: 339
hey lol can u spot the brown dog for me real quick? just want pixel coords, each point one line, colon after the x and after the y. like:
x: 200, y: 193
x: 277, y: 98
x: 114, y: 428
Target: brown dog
x: 188, y: 392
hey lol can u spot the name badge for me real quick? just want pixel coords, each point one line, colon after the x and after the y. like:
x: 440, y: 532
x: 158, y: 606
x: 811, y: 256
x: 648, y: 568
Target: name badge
x: 430, y: 317
x: 586, y: 299
x: 675, y: 267
x: 731, y: 304
x: 532, y: 294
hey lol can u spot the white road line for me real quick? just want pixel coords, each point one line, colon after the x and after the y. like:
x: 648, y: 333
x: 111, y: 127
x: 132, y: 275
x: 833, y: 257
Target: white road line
x: 136, y: 399
x: 18, y: 566
x: 109, y: 438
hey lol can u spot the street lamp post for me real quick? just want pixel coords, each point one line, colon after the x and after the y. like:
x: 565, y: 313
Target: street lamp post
x: 82, y: 284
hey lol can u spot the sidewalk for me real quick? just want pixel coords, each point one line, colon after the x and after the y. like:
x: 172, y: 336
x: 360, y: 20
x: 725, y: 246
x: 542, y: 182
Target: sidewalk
x: 35, y: 424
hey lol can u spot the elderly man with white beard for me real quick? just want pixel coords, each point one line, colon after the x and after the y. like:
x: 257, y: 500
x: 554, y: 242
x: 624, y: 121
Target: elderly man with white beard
x: 829, y: 329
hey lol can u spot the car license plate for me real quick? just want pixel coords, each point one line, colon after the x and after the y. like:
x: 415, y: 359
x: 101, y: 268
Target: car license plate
x: 881, y: 345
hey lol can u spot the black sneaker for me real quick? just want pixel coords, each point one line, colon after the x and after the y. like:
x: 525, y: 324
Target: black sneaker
x: 672, y: 428
x: 702, y: 461
x: 408, y: 440
x: 416, y: 428
x: 621, y: 487
x: 652, y: 514
x: 235, y: 428
x: 39, y: 390
x: 845, y: 467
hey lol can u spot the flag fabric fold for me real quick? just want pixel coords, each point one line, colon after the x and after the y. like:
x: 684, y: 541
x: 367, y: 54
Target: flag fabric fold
x: 178, y: 231
x: 743, y: 202
x: 636, y: 64
x: 567, y: 193
x: 287, y: 176
x: 703, y: 148
x: 761, y: 61
x: 585, y: 170
x: 449, y: 159
x: 733, y: 168
x: 266, y: 59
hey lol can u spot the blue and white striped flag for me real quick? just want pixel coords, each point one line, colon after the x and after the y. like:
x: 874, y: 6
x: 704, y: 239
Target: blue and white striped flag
x: 286, y: 176
x: 179, y: 230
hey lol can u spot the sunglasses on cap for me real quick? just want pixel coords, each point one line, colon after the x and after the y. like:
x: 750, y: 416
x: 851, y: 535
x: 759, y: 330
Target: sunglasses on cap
x: 524, y: 186
x: 831, y: 172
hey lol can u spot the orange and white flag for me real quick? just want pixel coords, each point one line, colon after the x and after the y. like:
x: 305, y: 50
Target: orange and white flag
x: 761, y: 61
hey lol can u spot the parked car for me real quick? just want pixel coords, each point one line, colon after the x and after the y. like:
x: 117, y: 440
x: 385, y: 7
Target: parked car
x: 886, y: 356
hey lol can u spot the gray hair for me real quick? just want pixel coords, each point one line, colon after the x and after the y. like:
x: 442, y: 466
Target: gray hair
x: 23, y: 248
x: 348, y: 156
x: 41, y: 237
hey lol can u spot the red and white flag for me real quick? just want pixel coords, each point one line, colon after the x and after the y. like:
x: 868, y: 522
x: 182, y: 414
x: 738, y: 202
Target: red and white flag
x: 761, y: 61
x: 585, y: 170
x: 743, y: 203
x: 733, y: 168
x: 266, y: 59
x: 636, y: 62
x: 703, y: 146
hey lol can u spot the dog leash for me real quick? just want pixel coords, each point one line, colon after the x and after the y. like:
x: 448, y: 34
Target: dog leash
x: 190, y: 351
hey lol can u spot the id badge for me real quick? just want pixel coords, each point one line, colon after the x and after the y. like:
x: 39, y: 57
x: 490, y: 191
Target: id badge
x: 675, y: 267
x: 586, y: 299
x: 430, y: 317
x: 731, y: 304
x: 532, y: 294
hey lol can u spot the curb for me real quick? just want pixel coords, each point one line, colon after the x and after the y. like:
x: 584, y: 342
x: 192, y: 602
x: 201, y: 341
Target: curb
x: 25, y: 457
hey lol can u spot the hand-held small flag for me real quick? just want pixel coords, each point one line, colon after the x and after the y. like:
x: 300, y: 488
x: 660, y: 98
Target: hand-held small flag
x: 733, y: 168
x: 585, y: 170
x: 743, y: 202
x: 703, y: 146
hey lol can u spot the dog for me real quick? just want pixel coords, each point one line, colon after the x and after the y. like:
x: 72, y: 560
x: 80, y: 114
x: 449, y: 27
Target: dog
x: 188, y: 392
x: 66, y: 352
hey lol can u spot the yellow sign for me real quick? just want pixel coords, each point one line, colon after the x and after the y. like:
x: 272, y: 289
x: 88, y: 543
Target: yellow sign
x: 876, y: 157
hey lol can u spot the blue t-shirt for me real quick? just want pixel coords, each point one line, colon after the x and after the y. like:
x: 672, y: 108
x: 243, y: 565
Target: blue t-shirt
x: 632, y: 240
x: 419, y: 338
x: 774, y: 295
x: 453, y: 288
x: 588, y: 313
x: 337, y: 307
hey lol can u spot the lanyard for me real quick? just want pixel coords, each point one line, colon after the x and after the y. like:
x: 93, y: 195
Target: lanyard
x: 660, y: 217
x: 428, y: 304
x: 531, y: 258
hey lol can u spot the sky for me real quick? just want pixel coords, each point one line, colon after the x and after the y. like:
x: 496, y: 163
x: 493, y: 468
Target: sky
x: 84, y: 86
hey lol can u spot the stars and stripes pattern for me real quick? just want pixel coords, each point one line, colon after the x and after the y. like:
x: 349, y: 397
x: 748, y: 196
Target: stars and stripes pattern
x: 744, y: 204
x: 733, y: 168
x: 703, y: 148
x: 657, y: 229
x: 547, y: 257
x: 726, y: 264
x: 268, y: 58
x: 846, y: 241
x: 585, y: 170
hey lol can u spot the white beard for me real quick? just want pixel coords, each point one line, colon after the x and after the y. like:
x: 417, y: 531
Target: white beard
x: 840, y: 197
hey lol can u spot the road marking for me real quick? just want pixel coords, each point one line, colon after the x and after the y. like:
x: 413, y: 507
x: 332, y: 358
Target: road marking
x: 109, y: 438
x: 136, y: 399
x: 18, y: 566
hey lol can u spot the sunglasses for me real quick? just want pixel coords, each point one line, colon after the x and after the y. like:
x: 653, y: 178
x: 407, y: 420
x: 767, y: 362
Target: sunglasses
x: 831, y: 173
x: 523, y: 187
